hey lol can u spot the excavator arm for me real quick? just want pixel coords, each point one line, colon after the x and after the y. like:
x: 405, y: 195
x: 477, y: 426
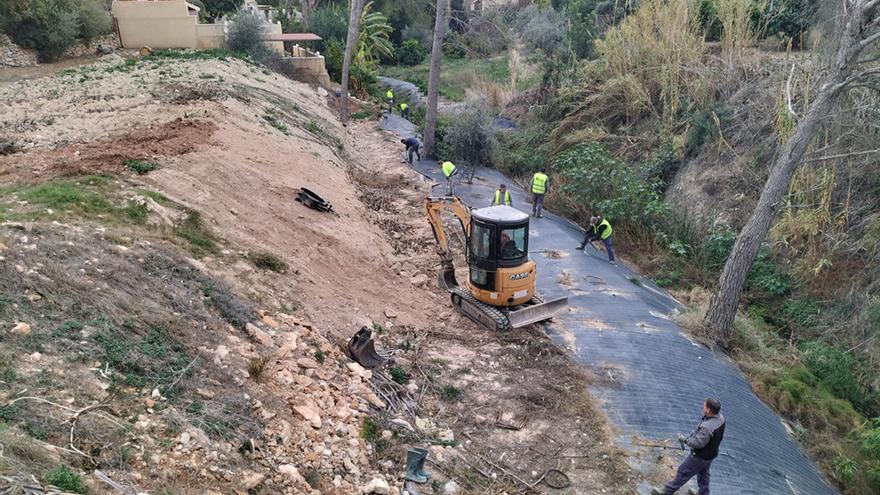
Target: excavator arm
x: 434, y: 207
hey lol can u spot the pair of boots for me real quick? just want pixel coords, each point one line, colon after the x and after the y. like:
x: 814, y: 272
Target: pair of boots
x: 415, y: 465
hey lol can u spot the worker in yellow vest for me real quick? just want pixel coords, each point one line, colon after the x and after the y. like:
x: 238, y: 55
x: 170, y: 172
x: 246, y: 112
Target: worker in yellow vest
x: 600, y: 229
x: 540, y: 186
x: 449, y: 170
x: 502, y: 196
x: 404, y: 110
x: 389, y: 95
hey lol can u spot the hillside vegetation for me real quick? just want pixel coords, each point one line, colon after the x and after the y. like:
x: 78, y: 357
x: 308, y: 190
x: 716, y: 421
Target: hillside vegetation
x: 665, y: 117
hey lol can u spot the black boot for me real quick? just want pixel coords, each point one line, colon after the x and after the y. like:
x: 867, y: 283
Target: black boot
x: 413, y: 458
x: 424, y: 456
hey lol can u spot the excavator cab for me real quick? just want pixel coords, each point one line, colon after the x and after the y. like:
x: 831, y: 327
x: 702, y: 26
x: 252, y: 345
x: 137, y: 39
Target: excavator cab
x: 498, y: 254
x: 500, y: 292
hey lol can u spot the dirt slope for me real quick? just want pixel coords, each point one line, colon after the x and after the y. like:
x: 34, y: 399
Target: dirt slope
x: 207, y: 307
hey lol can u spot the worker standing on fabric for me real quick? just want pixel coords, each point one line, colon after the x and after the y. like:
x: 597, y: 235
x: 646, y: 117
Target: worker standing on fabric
x: 502, y: 196
x: 389, y: 95
x: 404, y: 110
x: 599, y: 229
x: 412, y: 147
x: 704, y: 443
x: 540, y: 187
x: 449, y: 170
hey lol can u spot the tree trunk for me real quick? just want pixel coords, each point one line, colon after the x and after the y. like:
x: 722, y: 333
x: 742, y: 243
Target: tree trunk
x: 351, y: 42
x: 305, y: 7
x: 434, y: 76
x: 723, y: 305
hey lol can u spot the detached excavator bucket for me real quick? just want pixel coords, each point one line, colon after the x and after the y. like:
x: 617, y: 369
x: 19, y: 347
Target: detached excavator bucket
x: 362, y: 349
x: 536, y: 312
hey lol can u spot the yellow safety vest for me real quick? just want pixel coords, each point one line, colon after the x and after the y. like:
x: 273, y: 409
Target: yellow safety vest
x: 448, y: 169
x: 498, y: 197
x: 605, y: 233
x: 404, y: 106
x: 539, y: 183
x: 389, y: 94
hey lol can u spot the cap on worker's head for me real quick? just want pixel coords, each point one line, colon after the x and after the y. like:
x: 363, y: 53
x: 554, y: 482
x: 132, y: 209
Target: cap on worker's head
x: 543, y: 169
x: 403, y: 141
x: 593, y: 220
x: 714, y: 405
x: 502, y: 186
x: 439, y: 162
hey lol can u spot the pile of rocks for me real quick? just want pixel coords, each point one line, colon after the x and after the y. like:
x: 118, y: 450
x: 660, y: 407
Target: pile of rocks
x: 13, y: 56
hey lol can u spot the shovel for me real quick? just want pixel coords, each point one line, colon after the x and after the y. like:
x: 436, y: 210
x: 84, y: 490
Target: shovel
x: 362, y: 349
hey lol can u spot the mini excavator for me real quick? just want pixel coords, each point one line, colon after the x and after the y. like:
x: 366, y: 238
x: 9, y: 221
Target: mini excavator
x: 500, y: 290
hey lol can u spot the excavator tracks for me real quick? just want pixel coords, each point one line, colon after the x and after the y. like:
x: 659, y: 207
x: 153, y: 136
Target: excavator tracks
x: 488, y: 316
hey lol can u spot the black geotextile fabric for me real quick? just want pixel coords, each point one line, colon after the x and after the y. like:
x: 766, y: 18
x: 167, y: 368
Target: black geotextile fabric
x: 651, y: 378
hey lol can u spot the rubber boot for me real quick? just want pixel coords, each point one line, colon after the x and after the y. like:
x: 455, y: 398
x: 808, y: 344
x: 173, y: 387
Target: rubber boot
x: 424, y: 455
x: 412, y: 466
x: 658, y: 491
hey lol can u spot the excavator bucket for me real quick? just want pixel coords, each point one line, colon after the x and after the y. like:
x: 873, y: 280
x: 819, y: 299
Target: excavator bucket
x: 362, y: 349
x: 446, y: 279
x: 536, y: 312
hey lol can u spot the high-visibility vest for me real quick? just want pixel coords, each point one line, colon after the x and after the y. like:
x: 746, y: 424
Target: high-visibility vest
x: 389, y: 94
x: 605, y: 233
x: 448, y: 169
x: 498, y: 197
x: 403, y: 106
x: 539, y: 183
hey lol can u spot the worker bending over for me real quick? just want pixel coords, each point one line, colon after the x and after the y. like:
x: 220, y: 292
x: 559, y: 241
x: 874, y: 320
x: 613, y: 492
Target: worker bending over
x: 502, y: 196
x: 540, y: 186
x: 449, y: 170
x: 412, y: 147
x: 599, y: 229
x: 404, y: 110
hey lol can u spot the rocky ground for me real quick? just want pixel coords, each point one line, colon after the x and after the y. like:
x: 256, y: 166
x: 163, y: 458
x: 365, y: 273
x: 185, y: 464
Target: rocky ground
x: 173, y: 321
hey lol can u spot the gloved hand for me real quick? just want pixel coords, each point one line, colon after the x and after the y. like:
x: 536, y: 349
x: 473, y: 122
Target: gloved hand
x: 682, y: 439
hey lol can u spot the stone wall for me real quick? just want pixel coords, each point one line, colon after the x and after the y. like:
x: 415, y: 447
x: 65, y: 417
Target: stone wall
x: 13, y: 56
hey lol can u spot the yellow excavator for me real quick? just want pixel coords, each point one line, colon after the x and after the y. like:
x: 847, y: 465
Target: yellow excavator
x: 500, y: 292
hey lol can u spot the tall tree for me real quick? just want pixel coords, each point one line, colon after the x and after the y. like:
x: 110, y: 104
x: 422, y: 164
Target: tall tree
x: 306, y: 7
x: 860, y: 28
x: 351, y: 43
x: 434, y: 76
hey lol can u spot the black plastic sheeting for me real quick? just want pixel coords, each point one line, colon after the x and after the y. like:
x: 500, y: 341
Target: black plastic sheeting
x: 651, y: 378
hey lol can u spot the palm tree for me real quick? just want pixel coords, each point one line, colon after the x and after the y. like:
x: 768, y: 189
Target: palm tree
x: 434, y: 76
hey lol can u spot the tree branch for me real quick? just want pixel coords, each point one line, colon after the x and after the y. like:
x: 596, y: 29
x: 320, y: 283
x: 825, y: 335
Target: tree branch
x: 867, y: 41
x: 842, y: 155
x: 788, y: 92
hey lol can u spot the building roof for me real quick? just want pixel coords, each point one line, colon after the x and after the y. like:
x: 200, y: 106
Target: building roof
x: 292, y: 37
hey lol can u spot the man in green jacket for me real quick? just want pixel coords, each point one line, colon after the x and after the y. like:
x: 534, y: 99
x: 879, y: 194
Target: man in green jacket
x: 449, y: 170
x: 502, y: 196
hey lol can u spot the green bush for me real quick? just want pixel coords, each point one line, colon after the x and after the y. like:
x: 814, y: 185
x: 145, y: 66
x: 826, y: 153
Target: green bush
x: 52, y: 26
x: 246, y: 35
x: 869, y: 440
x: 598, y: 183
x: 335, y: 50
x: 411, y: 52
x: 140, y: 167
x: 835, y: 369
x: 522, y: 150
x: 717, y: 248
x: 788, y: 18
x: 215, y: 9
x: 767, y: 278
x: 469, y: 138
x: 65, y: 479
x: 331, y: 24
x: 802, y: 312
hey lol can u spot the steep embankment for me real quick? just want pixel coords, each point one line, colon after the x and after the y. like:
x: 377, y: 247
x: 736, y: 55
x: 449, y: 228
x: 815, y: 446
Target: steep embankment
x: 172, y: 318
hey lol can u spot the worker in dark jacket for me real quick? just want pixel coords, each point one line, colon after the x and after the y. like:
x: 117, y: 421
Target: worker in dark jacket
x: 704, y: 443
x: 600, y: 229
x: 412, y: 147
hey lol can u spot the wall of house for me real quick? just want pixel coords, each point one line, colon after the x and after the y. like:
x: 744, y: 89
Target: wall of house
x: 210, y: 36
x: 311, y: 70
x: 157, y: 24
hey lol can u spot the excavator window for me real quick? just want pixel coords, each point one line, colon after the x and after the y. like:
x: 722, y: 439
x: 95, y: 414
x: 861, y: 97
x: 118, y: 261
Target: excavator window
x: 481, y: 240
x: 513, y: 243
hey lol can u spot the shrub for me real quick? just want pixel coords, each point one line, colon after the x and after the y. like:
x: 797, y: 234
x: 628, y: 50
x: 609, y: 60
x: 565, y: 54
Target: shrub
x: 330, y: 23
x: 411, y: 52
x: 215, y: 9
x: 52, y: 26
x: 140, y: 167
x: 268, y: 261
x: 398, y: 374
x: 333, y: 53
x: 869, y: 440
x: 246, y: 35
x: 834, y: 368
x: 595, y: 182
x: 65, y: 479
x: 257, y: 366
x: 767, y: 278
x: 802, y: 312
x: 788, y: 18
x: 469, y: 138
x: 94, y: 20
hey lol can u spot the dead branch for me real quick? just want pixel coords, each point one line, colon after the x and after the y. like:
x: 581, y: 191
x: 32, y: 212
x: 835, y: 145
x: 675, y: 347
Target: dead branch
x: 842, y: 155
x: 181, y: 374
x: 788, y: 92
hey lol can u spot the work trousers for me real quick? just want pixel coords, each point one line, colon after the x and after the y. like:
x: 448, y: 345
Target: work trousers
x: 690, y: 467
x: 414, y: 149
x: 537, y: 204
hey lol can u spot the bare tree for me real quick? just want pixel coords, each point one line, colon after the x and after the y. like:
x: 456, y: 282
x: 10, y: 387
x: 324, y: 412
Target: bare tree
x: 860, y: 27
x: 306, y: 7
x: 434, y: 76
x: 351, y: 42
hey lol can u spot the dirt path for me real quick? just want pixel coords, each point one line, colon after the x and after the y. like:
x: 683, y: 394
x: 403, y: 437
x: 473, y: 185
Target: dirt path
x: 14, y: 74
